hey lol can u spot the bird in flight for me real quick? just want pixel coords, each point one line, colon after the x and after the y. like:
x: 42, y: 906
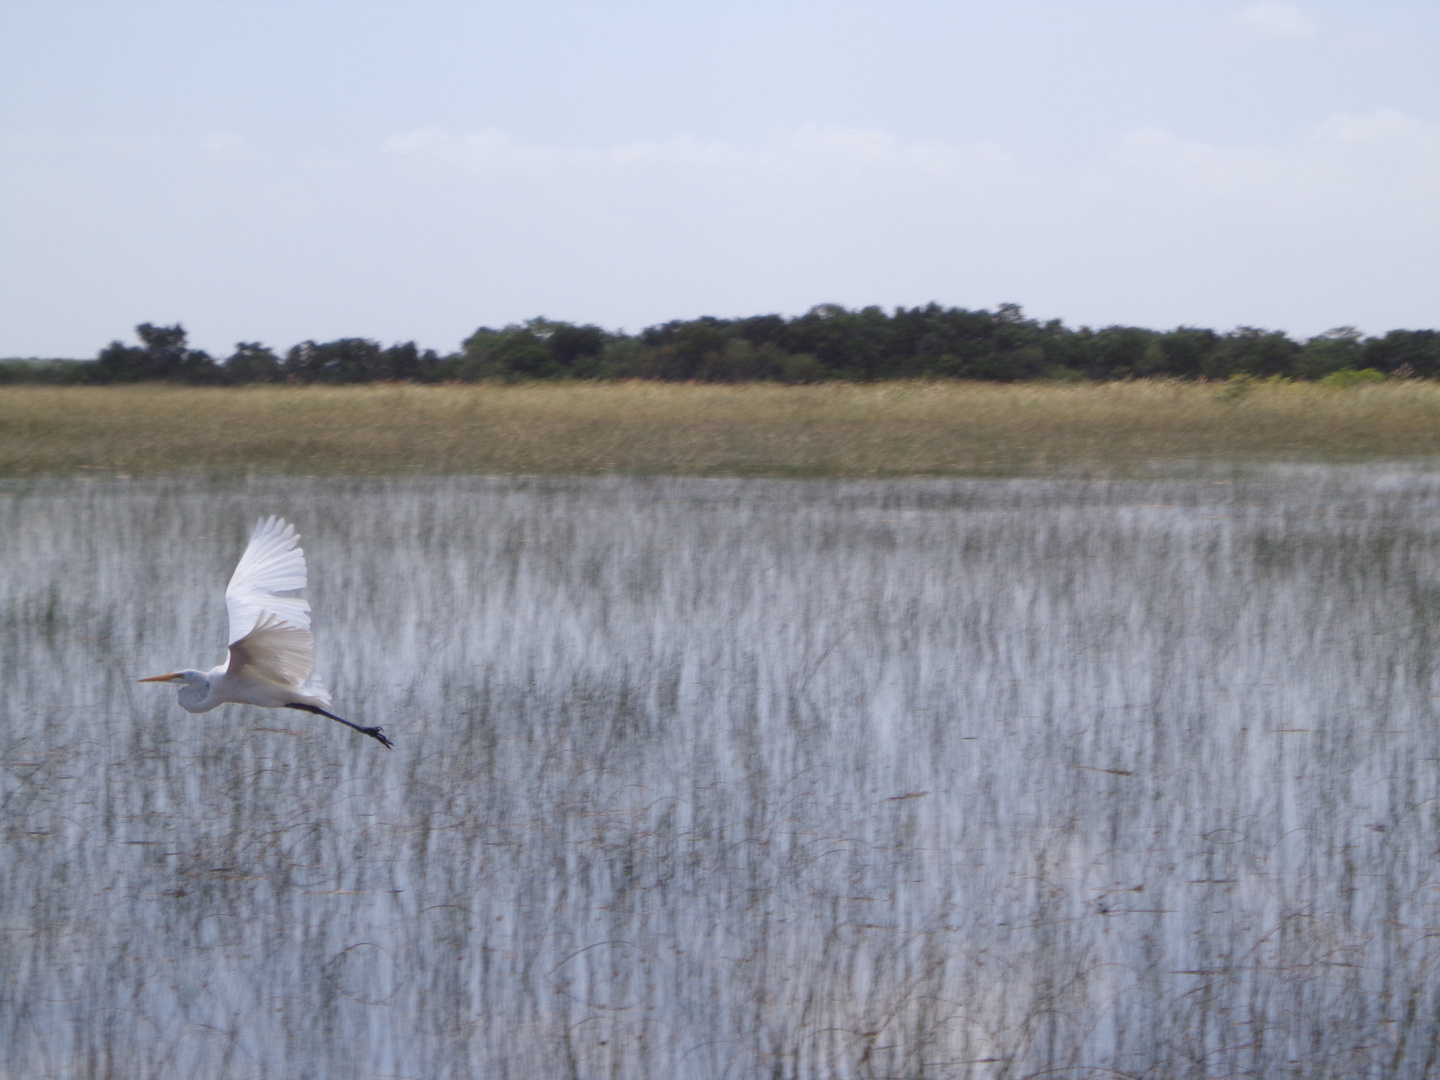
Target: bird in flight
x: 272, y: 652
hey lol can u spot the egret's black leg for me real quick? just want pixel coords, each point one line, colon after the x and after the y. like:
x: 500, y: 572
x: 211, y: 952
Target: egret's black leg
x: 373, y: 732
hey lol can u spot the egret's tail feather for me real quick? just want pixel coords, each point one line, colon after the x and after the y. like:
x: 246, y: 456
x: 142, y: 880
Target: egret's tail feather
x: 314, y: 687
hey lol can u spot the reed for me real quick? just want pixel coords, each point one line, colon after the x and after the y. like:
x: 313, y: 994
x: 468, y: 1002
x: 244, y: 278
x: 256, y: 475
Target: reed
x: 694, y: 778
x: 916, y: 428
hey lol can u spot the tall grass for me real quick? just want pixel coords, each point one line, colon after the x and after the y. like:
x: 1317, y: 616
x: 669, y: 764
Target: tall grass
x: 886, y: 429
x: 702, y: 778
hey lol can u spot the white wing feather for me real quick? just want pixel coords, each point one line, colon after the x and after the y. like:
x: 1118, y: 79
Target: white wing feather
x: 274, y: 652
x: 272, y: 564
x: 274, y: 665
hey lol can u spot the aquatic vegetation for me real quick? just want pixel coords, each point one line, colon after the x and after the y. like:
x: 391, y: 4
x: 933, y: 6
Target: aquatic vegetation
x: 722, y: 777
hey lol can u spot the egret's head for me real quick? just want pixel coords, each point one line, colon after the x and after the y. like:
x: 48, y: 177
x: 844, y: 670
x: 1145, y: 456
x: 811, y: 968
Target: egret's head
x: 194, y: 693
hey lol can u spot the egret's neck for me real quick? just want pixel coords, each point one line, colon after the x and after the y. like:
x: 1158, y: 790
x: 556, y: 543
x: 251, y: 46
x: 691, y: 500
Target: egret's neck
x: 195, y: 692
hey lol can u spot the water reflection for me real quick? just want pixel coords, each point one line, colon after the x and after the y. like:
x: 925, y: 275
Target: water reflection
x: 711, y: 778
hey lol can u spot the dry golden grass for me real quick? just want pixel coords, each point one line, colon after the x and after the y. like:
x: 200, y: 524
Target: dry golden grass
x: 895, y: 428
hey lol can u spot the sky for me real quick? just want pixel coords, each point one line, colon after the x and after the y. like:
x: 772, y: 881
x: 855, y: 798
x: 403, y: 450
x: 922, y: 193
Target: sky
x: 298, y: 170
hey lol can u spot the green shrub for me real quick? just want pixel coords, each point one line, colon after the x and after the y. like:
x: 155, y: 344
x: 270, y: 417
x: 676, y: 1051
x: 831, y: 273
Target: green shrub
x: 1348, y: 377
x: 1236, y: 387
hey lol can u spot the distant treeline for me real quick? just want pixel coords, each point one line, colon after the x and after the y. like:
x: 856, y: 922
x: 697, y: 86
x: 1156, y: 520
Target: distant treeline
x: 827, y: 342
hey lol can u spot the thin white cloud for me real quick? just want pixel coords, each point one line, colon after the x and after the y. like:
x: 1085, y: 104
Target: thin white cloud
x: 1383, y: 155
x: 226, y: 146
x: 872, y: 149
x: 805, y: 151
x: 224, y: 142
x: 1337, y: 224
x: 1275, y: 19
x: 487, y: 151
x: 682, y: 150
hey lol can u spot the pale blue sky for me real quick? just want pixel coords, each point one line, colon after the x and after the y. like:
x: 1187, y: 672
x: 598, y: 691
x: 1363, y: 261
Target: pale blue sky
x: 282, y: 171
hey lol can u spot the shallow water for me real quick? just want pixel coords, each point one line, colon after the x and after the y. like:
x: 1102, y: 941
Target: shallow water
x: 729, y: 778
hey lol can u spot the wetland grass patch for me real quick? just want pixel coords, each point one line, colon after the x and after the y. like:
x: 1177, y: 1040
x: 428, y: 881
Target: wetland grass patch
x: 933, y: 428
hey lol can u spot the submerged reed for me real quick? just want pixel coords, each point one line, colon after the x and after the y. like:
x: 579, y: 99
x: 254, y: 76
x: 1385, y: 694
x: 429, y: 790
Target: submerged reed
x: 728, y: 778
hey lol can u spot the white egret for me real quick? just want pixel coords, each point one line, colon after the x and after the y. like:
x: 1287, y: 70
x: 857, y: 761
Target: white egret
x: 272, y: 652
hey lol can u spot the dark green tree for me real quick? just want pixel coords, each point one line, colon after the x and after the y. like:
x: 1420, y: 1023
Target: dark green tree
x: 1329, y: 352
x: 1190, y: 353
x: 252, y: 362
x: 1407, y: 353
x: 162, y: 355
x: 1260, y: 353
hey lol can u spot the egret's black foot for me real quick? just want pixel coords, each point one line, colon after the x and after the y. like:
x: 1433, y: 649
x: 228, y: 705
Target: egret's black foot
x: 375, y: 733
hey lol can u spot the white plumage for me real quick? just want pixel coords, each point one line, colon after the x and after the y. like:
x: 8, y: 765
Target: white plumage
x: 272, y: 652
x: 273, y: 563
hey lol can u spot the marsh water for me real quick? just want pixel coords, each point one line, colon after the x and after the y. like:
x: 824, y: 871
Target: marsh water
x: 707, y: 779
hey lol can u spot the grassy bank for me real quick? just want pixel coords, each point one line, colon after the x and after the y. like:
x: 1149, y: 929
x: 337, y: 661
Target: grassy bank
x: 895, y: 428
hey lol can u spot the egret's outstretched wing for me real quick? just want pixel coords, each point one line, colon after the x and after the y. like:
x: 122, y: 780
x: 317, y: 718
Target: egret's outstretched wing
x: 273, y: 652
x: 272, y: 564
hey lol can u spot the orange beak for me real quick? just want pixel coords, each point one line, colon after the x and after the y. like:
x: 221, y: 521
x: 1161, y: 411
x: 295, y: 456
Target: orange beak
x: 162, y: 678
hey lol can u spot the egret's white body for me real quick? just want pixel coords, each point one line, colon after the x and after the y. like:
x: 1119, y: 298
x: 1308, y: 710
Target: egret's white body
x: 272, y: 652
